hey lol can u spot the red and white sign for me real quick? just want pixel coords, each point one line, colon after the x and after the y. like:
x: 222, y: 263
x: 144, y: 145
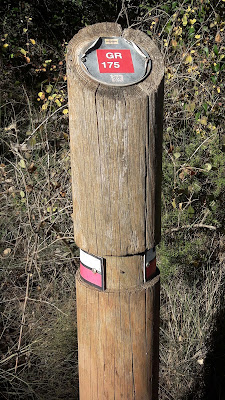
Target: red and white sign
x: 149, y: 264
x: 115, y: 61
x: 92, y: 269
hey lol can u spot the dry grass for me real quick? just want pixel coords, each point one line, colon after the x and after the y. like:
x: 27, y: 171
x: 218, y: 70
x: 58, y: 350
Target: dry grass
x: 38, y: 265
x: 188, y: 319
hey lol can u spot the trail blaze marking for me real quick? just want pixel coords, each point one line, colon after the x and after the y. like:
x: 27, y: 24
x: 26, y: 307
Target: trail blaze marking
x: 116, y: 61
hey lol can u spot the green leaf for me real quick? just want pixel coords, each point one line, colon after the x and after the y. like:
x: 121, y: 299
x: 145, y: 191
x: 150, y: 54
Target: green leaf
x: 174, y: 4
x: 216, y: 67
x: 206, y: 50
x: 216, y: 51
x: 197, y: 115
x: 32, y: 141
x: 168, y: 28
x: 22, y: 194
x: 205, y: 106
x: 191, y: 211
x: 177, y: 155
x: 191, y: 30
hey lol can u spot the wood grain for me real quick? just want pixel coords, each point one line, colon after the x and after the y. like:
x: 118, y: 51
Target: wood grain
x: 118, y: 342
x: 116, y: 140
x: 116, y: 156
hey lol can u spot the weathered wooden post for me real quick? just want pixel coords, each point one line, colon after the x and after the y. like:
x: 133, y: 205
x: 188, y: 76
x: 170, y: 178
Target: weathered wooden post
x: 115, y: 88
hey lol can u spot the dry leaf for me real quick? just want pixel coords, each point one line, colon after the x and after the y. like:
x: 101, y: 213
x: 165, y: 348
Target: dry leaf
x: 171, y: 149
x: 218, y: 38
x: 7, y: 251
x: 32, y: 168
x: 181, y: 175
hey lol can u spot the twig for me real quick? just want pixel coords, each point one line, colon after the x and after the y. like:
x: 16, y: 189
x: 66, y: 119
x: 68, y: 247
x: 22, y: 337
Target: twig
x: 43, y: 122
x: 24, y: 304
x: 211, y: 227
x: 204, y: 141
x: 22, y: 321
x: 47, y: 302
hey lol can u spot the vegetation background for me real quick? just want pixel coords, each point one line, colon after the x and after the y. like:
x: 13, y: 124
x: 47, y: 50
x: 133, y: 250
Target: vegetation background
x: 38, y: 348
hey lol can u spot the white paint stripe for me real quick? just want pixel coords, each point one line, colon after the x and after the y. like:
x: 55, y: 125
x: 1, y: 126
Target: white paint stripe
x: 150, y: 255
x: 90, y: 261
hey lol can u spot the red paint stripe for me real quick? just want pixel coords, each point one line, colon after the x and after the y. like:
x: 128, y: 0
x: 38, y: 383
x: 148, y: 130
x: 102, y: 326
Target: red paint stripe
x: 151, y: 269
x: 89, y: 276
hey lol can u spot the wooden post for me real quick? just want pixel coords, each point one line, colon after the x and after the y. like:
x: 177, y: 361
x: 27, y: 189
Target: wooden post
x: 116, y: 140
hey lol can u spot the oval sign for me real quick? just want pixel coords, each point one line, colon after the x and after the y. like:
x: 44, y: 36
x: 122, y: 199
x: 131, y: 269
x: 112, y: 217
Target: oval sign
x: 115, y: 61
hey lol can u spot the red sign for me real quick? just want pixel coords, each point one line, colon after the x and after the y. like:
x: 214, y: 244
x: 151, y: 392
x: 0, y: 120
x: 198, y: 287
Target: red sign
x: 116, y: 61
x: 92, y: 277
x: 150, y: 269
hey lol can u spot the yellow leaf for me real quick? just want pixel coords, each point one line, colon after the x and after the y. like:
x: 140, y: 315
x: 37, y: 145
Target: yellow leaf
x: 188, y: 59
x: 65, y: 111
x: 203, y: 121
x: 48, y: 89
x: 197, y: 36
x: 208, y: 166
x: 22, y: 163
x: 192, y: 21
x: 44, y: 106
x: 174, y: 203
x: 184, y: 19
x: 58, y: 103
x: 25, y: 30
x: 41, y: 95
x: 32, y: 41
x: 5, y: 45
x: 22, y: 51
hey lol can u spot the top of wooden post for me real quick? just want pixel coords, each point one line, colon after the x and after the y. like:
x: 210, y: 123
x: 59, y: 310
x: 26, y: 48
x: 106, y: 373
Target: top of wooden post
x: 110, y: 29
x: 116, y: 141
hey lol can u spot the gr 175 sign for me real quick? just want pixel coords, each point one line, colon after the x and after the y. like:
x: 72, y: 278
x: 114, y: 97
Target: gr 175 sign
x: 115, y: 61
x: 118, y: 61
